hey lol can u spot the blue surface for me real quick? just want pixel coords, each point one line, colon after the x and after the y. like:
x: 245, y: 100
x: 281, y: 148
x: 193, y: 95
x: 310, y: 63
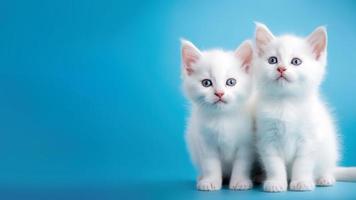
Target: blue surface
x: 90, y: 90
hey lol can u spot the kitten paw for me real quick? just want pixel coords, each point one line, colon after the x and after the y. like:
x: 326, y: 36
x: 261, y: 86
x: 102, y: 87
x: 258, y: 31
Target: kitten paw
x: 241, y: 184
x: 306, y: 185
x: 274, y: 186
x: 209, y: 184
x: 325, y: 181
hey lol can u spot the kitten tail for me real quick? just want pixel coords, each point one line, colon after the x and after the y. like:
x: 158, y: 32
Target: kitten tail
x: 345, y: 174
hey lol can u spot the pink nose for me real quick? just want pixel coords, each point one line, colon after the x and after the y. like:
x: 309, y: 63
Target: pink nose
x: 219, y: 94
x: 281, y: 69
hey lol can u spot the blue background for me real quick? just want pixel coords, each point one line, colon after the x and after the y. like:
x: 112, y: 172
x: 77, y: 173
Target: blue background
x: 90, y: 90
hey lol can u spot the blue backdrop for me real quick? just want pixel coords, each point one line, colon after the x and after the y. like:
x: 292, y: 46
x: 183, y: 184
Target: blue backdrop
x: 90, y: 90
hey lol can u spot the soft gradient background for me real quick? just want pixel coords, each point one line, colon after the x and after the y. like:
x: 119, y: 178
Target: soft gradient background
x: 90, y: 91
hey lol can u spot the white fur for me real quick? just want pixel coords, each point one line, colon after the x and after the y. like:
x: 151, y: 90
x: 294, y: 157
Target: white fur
x: 296, y: 135
x: 219, y: 136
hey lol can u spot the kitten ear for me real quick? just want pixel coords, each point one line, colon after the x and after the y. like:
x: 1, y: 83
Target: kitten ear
x: 245, y: 53
x: 318, y: 41
x: 190, y: 55
x: 263, y: 36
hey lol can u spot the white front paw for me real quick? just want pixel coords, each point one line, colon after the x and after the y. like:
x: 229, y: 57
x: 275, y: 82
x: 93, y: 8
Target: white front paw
x: 325, y: 181
x: 275, y: 186
x: 244, y: 184
x: 209, y: 184
x: 302, y: 185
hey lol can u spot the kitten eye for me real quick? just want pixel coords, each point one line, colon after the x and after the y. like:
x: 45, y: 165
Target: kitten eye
x: 272, y: 60
x: 231, y: 82
x: 296, y: 61
x: 206, y: 83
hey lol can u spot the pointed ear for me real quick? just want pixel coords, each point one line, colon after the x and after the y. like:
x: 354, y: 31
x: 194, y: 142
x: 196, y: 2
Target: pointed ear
x: 245, y: 53
x: 263, y: 36
x: 190, y: 55
x: 318, y: 41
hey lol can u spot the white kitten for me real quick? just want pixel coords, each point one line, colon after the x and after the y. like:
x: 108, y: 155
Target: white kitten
x: 296, y: 136
x: 219, y: 132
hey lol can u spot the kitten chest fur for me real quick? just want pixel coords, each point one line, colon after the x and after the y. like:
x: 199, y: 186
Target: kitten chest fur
x: 226, y: 132
x: 282, y: 127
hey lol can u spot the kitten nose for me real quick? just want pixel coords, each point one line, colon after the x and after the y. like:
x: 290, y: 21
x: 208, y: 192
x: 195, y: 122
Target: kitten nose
x: 281, y: 69
x: 219, y: 94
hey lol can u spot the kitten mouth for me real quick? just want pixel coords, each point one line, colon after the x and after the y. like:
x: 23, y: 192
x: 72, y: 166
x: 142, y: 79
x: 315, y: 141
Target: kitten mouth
x: 219, y: 101
x: 281, y: 77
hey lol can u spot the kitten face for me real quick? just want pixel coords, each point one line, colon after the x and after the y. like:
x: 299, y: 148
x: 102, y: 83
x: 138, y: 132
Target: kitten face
x: 216, y: 79
x: 289, y: 64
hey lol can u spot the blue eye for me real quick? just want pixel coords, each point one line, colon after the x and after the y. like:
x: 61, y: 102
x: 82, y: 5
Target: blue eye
x: 206, y: 83
x: 231, y: 82
x: 296, y: 61
x: 272, y: 60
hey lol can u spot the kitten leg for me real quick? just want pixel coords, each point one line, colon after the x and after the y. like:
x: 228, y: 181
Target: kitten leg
x: 206, y: 157
x: 302, y: 174
x: 240, y: 176
x: 325, y: 175
x: 326, y: 164
x: 211, y: 178
x: 276, y: 180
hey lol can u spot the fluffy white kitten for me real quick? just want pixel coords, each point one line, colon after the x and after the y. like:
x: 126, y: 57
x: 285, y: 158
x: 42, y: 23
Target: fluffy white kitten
x: 219, y: 133
x: 296, y: 135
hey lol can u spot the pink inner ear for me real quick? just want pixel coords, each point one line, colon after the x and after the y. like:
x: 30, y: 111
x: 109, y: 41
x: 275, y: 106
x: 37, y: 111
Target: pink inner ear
x: 245, y: 53
x: 318, y: 49
x: 246, y: 63
x: 263, y: 37
x: 317, y: 40
x: 189, y: 57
